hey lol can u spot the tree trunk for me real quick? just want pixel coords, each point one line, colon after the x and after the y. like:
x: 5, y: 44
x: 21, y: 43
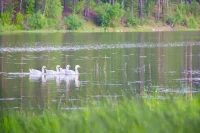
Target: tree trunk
x: 122, y: 4
x: 140, y: 9
x: 163, y: 8
x: 20, y: 6
x: 132, y: 5
x: 73, y: 2
x: 158, y: 17
x: 86, y: 10
x: 45, y: 7
x: 98, y: 2
x: 109, y: 1
x: 185, y: 1
x: 112, y: 2
x: 64, y: 6
x: 2, y: 6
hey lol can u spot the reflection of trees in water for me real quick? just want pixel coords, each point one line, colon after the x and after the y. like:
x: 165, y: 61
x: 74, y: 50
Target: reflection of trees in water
x: 141, y: 65
x: 141, y: 70
x: 160, y: 61
x: 187, y: 74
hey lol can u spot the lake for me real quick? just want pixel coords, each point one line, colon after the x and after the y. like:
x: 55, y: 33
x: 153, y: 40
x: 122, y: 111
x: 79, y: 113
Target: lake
x: 113, y: 65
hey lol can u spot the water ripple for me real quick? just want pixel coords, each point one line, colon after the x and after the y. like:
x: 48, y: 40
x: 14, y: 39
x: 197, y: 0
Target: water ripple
x: 60, y: 47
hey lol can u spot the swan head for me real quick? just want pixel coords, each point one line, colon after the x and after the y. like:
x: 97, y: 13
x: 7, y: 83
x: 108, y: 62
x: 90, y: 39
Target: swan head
x: 77, y: 66
x: 67, y: 67
x: 44, y: 67
x: 58, y: 67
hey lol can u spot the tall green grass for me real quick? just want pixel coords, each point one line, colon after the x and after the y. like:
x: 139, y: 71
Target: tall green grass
x: 171, y: 115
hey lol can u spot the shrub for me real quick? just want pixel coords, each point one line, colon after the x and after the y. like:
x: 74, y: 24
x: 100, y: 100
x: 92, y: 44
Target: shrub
x: 29, y: 6
x: 109, y: 15
x: 5, y: 17
x: 170, y: 21
x: 53, y: 9
x: 191, y: 22
x: 11, y: 27
x: 1, y: 26
x: 195, y: 8
x: 148, y: 8
x: 73, y: 22
x: 103, y: 16
x: 52, y: 23
x: 36, y: 21
x: 19, y: 20
x: 132, y: 21
x: 79, y: 7
x: 178, y: 17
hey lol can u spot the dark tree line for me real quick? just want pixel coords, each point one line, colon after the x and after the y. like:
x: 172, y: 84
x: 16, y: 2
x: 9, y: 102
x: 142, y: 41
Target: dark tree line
x: 58, y: 9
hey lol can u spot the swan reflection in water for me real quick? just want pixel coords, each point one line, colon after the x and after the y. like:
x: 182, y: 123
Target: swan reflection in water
x: 68, y: 79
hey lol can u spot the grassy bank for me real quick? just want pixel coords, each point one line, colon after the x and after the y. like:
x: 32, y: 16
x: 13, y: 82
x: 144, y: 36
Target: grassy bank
x: 92, y: 28
x: 127, y: 115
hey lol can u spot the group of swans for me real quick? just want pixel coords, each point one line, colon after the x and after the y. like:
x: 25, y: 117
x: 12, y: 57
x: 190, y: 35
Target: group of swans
x: 59, y: 70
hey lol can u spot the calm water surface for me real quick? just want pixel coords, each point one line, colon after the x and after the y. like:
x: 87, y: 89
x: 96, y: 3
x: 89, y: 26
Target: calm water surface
x: 112, y: 65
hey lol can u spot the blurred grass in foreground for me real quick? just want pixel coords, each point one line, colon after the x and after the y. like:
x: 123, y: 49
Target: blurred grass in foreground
x: 173, y: 115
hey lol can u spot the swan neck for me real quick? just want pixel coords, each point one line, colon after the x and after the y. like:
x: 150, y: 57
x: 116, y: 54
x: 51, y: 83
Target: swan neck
x: 76, y: 70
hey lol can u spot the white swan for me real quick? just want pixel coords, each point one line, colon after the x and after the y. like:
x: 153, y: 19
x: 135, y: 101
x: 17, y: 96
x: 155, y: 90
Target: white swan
x: 38, y: 72
x: 63, y: 71
x: 52, y: 71
x: 71, y: 72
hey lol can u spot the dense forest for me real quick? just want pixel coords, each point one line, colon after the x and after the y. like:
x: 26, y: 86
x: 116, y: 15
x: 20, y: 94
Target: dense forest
x: 73, y: 14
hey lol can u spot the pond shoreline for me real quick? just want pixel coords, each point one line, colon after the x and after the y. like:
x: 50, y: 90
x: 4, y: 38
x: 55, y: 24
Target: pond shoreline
x: 89, y: 29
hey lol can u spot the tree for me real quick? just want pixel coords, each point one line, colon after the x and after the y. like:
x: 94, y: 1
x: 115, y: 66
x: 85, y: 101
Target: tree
x: 2, y: 6
x: 39, y: 5
x: 158, y: 17
x: 73, y: 2
x: 86, y: 10
x: 20, y: 6
x: 64, y: 6
x: 98, y: 2
x: 29, y: 6
x: 140, y: 9
x: 53, y: 9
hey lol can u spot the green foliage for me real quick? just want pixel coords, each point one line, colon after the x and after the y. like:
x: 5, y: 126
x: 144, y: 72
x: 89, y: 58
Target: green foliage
x: 53, y: 9
x: 148, y: 8
x: 1, y: 26
x: 5, y: 17
x: 36, y: 21
x: 19, y: 19
x: 11, y: 27
x: 170, y: 21
x: 132, y: 21
x: 191, y: 22
x: 73, y: 22
x: 29, y: 6
x: 178, y: 17
x: 78, y: 8
x: 102, y: 15
x: 195, y: 8
x: 184, y: 15
x: 109, y: 15
x: 52, y: 23
x: 148, y: 115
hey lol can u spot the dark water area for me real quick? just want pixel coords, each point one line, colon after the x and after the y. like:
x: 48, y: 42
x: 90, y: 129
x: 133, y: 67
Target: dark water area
x: 112, y: 65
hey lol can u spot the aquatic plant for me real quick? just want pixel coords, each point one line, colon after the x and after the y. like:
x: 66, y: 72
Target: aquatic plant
x: 110, y: 115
